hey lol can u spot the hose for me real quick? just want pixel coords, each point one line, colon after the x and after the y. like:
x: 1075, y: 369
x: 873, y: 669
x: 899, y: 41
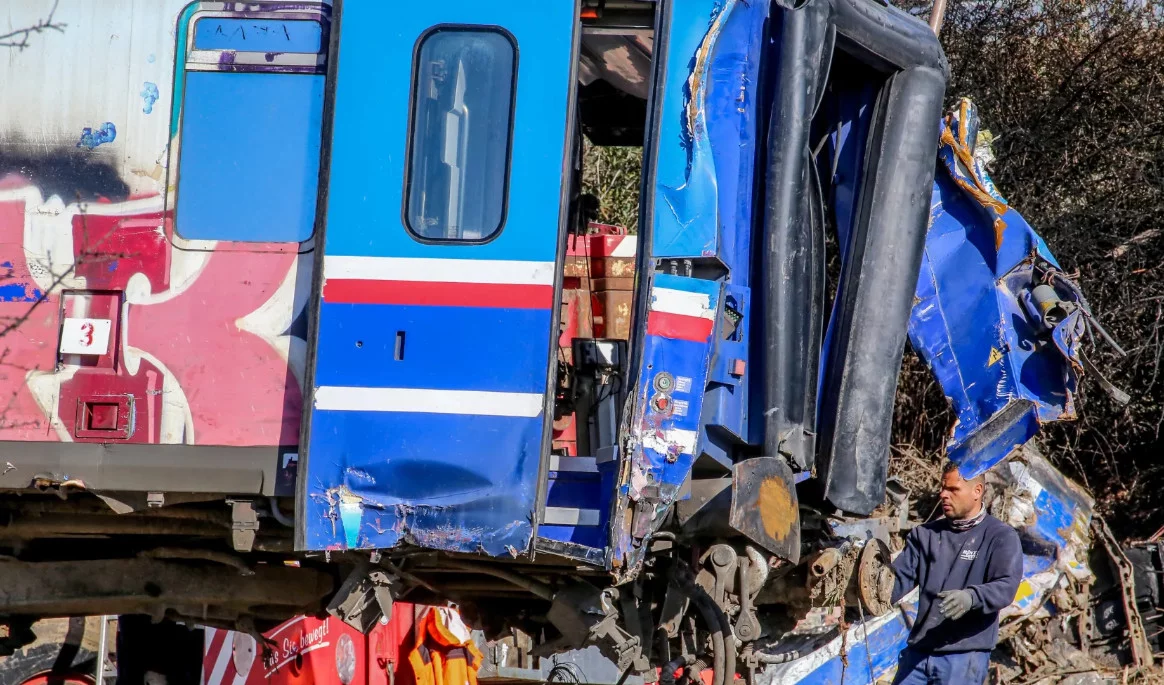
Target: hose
x: 279, y: 515
x: 721, y: 651
x: 667, y: 676
x: 781, y: 658
x: 729, y: 674
x: 540, y: 589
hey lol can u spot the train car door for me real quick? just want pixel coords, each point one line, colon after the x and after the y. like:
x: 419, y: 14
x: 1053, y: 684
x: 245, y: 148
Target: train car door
x: 431, y: 362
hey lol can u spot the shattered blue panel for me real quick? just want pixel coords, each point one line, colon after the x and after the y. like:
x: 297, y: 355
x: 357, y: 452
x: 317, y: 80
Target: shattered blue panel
x: 666, y: 414
x: 866, y: 654
x: 1053, y: 518
x: 703, y: 200
x: 994, y: 317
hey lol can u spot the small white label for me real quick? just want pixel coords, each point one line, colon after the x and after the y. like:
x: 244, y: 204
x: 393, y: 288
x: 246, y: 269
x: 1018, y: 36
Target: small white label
x: 682, y: 384
x: 85, y: 336
x: 679, y: 407
x: 968, y: 555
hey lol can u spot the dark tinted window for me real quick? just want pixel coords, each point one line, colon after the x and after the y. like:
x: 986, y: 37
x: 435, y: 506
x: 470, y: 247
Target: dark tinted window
x: 458, y: 164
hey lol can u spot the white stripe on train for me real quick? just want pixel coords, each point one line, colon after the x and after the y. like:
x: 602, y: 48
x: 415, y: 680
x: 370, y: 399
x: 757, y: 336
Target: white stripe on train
x: 498, y: 271
x: 682, y: 302
x: 424, y: 401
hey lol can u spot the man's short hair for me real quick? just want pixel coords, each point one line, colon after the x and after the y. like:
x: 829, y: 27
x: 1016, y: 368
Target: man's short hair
x: 951, y: 467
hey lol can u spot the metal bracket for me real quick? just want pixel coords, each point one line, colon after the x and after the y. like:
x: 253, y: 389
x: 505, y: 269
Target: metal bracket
x: 244, y: 524
x: 748, y: 624
x: 364, y: 597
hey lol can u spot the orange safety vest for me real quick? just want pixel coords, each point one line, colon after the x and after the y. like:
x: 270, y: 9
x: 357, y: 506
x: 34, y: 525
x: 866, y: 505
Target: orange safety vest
x: 444, y: 652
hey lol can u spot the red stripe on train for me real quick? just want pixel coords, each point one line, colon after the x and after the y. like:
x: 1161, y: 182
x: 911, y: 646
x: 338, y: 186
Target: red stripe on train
x: 493, y: 295
x: 679, y: 327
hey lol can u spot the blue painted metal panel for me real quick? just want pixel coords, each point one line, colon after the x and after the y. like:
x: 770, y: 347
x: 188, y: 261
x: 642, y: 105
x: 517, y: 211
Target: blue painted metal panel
x: 354, y: 350
x: 734, y: 132
x: 580, y: 491
x: 1005, y: 369
x: 420, y: 483
x: 726, y: 401
x: 372, y: 101
x: 249, y: 161
x: 686, y: 212
x: 464, y: 481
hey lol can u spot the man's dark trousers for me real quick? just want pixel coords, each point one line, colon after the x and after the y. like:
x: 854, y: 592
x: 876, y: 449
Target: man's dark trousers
x: 928, y: 668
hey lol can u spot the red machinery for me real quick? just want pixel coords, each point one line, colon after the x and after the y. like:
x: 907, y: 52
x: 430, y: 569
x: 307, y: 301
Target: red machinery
x: 310, y: 651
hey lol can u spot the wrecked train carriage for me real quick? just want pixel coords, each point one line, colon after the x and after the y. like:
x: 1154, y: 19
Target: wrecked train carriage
x: 211, y: 314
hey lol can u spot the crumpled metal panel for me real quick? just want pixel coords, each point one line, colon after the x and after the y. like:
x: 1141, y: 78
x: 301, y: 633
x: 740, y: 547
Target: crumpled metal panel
x: 866, y: 653
x: 1053, y: 518
x: 995, y: 317
x: 686, y: 220
x: 702, y: 202
x: 664, y: 430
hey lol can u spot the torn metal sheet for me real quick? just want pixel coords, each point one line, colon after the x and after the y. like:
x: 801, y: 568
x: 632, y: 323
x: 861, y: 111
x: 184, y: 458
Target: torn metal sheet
x: 864, y: 653
x: 1053, y: 518
x: 663, y: 439
x: 994, y: 317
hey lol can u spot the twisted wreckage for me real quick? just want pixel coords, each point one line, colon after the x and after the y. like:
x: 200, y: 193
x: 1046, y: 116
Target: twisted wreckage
x: 271, y: 253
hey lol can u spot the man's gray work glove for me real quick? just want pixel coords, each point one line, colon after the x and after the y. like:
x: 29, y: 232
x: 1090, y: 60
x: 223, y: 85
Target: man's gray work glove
x: 955, y: 603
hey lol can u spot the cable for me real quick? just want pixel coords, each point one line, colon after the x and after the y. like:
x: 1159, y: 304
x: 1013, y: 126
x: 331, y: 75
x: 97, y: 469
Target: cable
x: 865, y: 632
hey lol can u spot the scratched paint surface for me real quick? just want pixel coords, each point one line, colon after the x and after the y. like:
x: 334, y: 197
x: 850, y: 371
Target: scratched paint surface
x: 208, y: 338
x: 702, y: 209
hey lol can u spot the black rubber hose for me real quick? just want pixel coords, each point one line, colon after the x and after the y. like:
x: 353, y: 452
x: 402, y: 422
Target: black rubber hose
x: 722, y: 645
x: 667, y: 676
x: 719, y: 636
x: 695, y: 669
x: 729, y: 643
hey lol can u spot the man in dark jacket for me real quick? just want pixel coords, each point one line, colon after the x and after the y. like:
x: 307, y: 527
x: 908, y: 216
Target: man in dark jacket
x: 968, y: 566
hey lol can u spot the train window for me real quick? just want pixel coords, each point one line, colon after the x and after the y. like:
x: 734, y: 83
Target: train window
x: 249, y: 121
x: 462, y: 124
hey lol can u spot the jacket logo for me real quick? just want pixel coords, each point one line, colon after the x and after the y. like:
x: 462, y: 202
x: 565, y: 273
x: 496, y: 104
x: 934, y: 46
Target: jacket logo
x: 968, y: 555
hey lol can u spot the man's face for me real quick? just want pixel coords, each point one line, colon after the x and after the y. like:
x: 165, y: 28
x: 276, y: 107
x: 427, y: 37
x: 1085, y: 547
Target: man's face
x: 959, y: 498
